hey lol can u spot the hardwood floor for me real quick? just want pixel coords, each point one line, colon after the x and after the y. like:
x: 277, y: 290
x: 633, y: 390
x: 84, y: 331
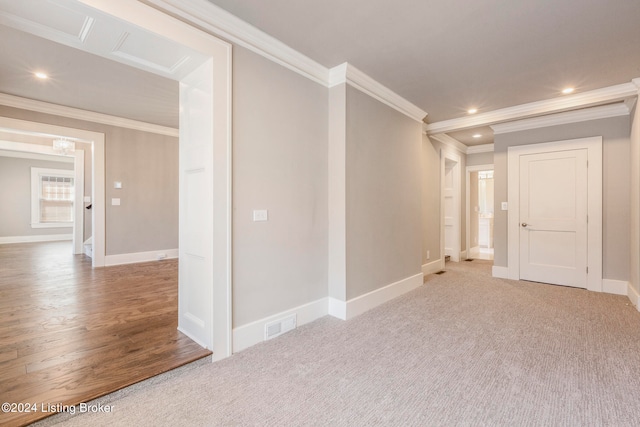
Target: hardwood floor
x: 70, y: 333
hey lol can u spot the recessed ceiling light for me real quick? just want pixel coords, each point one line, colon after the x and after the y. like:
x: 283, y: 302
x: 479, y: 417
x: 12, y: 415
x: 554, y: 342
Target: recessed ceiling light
x: 41, y: 75
x: 567, y: 91
x: 472, y: 110
x: 477, y: 135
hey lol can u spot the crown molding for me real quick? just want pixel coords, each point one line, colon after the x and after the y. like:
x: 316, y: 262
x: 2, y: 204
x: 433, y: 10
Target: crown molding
x: 538, y: 108
x: 217, y: 21
x: 450, y: 142
x: 347, y: 73
x: 593, y: 113
x: 484, y: 148
x: 90, y: 116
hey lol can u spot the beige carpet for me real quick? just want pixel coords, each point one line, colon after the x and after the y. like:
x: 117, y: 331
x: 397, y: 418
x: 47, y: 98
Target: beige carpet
x: 464, y: 349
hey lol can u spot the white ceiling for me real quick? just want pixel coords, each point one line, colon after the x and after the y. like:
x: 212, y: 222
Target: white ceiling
x: 449, y: 56
x: 443, y: 56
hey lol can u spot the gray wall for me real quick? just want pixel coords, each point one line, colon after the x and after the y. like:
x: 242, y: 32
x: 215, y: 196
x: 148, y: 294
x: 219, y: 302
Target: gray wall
x: 147, y: 164
x: 616, y: 185
x: 480, y: 159
x: 15, y: 193
x: 383, y: 184
x: 280, y: 135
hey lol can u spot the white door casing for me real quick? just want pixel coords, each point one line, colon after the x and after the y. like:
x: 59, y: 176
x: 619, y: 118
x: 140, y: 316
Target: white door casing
x: 547, y: 212
x: 450, y: 206
x: 553, y: 217
x: 470, y: 169
x: 207, y: 286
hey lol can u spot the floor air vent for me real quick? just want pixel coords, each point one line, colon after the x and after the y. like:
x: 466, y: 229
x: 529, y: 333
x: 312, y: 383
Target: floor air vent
x: 441, y: 272
x: 279, y: 327
x: 469, y: 259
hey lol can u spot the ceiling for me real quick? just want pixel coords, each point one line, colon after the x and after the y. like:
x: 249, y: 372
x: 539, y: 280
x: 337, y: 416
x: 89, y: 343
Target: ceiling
x: 443, y: 56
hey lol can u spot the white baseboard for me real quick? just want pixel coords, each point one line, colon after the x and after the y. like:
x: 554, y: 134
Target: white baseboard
x: 346, y: 310
x: 500, y: 272
x: 618, y: 287
x: 136, y: 257
x: 634, y: 296
x: 253, y: 333
x: 431, y: 267
x: 35, y: 239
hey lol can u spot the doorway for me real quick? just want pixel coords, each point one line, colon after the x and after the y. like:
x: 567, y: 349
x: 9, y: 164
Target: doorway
x: 480, y: 211
x: 555, y: 213
x: 450, y: 206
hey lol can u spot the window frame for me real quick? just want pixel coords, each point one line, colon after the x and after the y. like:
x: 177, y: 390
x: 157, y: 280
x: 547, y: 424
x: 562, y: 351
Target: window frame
x: 36, y: 188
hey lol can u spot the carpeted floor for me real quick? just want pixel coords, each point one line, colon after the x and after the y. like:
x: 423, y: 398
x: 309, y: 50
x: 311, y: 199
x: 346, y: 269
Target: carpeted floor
x: 465, y: 349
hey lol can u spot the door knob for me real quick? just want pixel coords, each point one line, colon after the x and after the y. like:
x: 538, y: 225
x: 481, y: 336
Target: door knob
x: 524, y: 224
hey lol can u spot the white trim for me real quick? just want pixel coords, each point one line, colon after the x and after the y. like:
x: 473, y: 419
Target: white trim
x: 463, y: 255
x: 35, y: 239
x: 90, y: 116
x: 136, y: 257
x: 451, y: 142
x: 431, y: 267
x: 500, y: 272
x: 565, y: 103
x: 356, y: 306
x: 634, y: 296
x: 166, y: 24
x: 347, y: 73
x: 469, y: 169
x: 484, y: 148
x: 457, y: 205
x: 252, y: 333
x: 617, y: 287
x: 594, y: 209
x: 594, y: 113
x: 217, y: 21
x: 36, y: 173
x: 35, y: 156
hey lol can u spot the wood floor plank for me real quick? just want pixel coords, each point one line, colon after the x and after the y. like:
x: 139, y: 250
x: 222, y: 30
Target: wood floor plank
x: 70, y: 333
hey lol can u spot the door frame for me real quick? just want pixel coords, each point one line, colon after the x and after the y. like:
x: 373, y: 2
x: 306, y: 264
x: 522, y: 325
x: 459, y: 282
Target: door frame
x: 470, y: 169
x: 216, y: 290
x: 593, y: 145
x: 96, y: 139
x: 444, y: 156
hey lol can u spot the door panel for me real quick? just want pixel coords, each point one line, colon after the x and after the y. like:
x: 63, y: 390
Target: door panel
x: 553, y: 217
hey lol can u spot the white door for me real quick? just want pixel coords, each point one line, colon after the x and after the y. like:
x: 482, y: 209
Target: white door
x: 553, y: 217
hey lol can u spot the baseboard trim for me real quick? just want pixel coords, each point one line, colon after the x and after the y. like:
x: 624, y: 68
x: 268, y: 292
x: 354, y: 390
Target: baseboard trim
x: 431, y: 267
x: 617, y: 287
x: 463, y: 255
x: 253, y: 333
x: 35, y: 239
x: 352, y: 308
x: 633, y: 296
x: 136, y: 257
x: 500, y: 272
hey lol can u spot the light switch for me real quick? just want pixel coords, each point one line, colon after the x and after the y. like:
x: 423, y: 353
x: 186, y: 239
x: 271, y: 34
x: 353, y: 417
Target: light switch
x: 115, y: 202
x: 260, y: 215
x: 117, y: 184
x: 504, y: 206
